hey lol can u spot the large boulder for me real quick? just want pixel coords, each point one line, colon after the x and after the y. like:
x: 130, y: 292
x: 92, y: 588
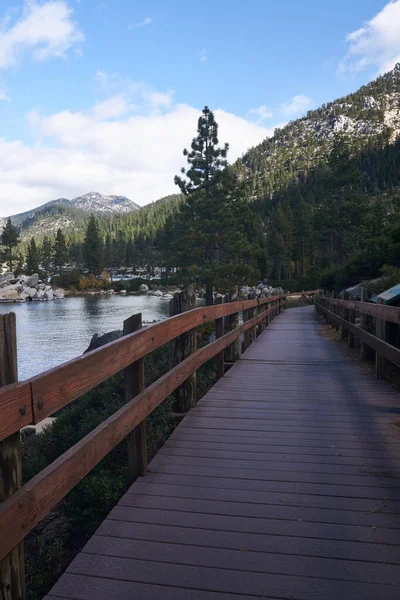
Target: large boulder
x: 143, y: 288
x: 28, y: 293
x: 6, y: 277
x: 32, y: 280
x: 58, y: 294
x: 39, y: 295
x: 48, y: 294
x: 9, y: 293
x: 157, y: 293
x: 100, y: 340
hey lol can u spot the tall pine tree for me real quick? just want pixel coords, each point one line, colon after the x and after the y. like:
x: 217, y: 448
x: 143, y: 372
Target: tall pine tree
x: 9, y: 239
x: 60, y: 250
x: 93, y: 250
x: 32, y: 257
x: 216, y: 235
x: 46, y: 254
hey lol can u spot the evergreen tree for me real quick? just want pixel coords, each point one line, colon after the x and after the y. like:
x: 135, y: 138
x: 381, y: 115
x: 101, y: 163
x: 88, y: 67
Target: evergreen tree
x: 93, y: 250
x: 60, y: 250
x: 9, y: 239
x: 46, y: 254
x: 32, y: 258
x: 214, y: 228
x: 20, y: 265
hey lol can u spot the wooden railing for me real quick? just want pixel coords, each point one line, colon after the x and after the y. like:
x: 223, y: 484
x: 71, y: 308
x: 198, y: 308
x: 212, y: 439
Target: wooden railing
x: 367, y: 323
x: 30, y: 401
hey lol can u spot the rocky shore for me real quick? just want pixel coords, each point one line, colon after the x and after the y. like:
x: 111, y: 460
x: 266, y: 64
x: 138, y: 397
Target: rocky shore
x: 25, y: 288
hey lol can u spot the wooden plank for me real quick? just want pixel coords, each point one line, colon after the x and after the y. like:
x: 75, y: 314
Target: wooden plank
x: 280, y: 545
x: 301, y: 487
x: 263, y: 510
x: 238, y: 560
x: 230, y: 581
x: 12, y: 566
x: 78, y: 587
x: 324, y: 530
x: 134, y: 384
x: 370, y: 509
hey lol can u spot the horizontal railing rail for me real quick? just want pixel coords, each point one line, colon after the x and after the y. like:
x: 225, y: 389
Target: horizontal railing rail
x: 379, y: 311
x: 343, y: 314
x: 30, y: 401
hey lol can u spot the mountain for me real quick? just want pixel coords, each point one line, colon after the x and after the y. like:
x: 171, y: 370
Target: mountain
x: 365, y: 118
x: 69, y: 214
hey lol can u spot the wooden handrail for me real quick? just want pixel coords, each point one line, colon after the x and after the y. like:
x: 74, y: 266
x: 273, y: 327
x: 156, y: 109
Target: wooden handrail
x: 379, y: 311
x: 383, y: 348
x: 35, y: 399
x: 24, y: 509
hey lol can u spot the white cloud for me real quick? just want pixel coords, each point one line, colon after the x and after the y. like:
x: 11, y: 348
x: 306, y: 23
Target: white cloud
x: 4, y: 97
x: 45, y: 30
x: 296, y: 106
x: 203, y: 55
x: 109, y: 148
x: 376, y: 44
x: 260, y: 114
x: 146, y: 21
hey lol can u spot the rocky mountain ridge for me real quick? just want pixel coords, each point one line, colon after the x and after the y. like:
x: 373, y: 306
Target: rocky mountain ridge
x: 67, y: 214
x: 367, y: 117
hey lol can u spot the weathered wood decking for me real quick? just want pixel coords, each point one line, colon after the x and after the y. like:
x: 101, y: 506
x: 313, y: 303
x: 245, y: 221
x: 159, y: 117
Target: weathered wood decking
x: 283, y: 483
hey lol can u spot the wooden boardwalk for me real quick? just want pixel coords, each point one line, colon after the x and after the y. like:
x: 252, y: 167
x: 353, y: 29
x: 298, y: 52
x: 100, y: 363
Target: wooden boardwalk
x: 283, y: 483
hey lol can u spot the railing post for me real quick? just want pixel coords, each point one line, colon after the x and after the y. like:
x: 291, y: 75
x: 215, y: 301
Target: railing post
x: 182, y: 347
x: 134, y: 384
x: 231, y: 323
x: 380, y: 326
x: 12, y: 568
x: 335, y: 309
x: 246, y: 336
x: 219, y: 332
x: 366, y: 353
x: 345, y: 315
x: 251, y: 331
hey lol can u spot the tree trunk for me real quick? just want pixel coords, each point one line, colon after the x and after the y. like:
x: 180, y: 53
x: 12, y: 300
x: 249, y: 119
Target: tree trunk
x: 209, y: 294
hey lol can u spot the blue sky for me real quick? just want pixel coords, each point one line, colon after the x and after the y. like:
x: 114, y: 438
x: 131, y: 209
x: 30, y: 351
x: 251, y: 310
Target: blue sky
x: 103, y: 95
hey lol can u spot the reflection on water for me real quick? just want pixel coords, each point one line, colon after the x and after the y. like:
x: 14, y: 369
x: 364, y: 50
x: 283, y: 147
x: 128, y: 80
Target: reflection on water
x: 50, y: 333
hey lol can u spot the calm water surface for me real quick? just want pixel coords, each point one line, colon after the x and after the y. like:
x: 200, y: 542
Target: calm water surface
x: 50, y: 333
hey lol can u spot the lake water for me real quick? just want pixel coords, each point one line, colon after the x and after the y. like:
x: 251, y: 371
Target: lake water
x: 50, y: 333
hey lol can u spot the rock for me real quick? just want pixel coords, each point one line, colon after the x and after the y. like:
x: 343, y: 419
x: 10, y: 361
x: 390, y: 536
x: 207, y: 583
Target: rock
x: 28, y: 431
x: 6, y: 277
x: 48, y: 294
x: 39, y: 295
x: 58, y: 294
x: 167, y: 296
x: 143, y: 288
x: 99, y: 340
x: 28, y: 293
x: 157, y: 293
x: 10, y: 294
x: 123, y: 292
x: 33, y: 280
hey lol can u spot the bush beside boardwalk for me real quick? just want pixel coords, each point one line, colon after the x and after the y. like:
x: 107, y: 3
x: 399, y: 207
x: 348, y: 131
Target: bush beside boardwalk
x: 60, y: 536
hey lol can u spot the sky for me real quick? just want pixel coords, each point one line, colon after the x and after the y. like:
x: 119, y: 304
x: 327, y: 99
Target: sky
x: 100, y: 95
